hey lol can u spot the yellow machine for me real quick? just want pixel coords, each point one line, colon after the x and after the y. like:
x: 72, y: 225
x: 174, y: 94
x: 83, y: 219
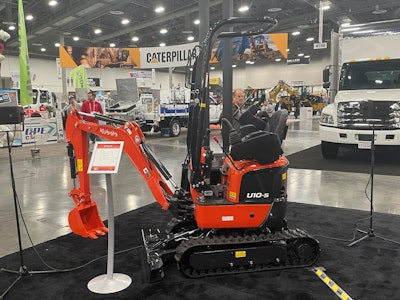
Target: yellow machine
x: 289, y: 94
x: 311, y: 99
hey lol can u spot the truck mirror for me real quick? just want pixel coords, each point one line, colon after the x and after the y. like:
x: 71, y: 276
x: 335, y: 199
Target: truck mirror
x: 325, y: 75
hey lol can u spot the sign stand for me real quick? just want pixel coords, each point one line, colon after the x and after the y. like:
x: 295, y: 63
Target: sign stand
x: 105, y: 160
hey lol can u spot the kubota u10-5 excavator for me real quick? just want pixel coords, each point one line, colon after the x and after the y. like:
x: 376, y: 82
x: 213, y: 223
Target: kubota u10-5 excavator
x: 229, y: 211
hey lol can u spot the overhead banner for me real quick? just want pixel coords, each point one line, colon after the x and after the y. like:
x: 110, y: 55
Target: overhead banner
x: 166, y: 57
x: 255, y: 47
x: 97, y: 57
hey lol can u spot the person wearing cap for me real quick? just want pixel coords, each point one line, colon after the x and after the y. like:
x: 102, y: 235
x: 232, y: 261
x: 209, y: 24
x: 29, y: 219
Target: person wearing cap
x: 72, y: 104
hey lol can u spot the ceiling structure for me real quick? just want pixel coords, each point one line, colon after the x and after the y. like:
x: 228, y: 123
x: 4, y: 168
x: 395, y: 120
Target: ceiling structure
x: 80, y: 18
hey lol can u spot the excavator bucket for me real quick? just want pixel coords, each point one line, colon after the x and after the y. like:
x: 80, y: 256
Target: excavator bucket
x: 85, y: 220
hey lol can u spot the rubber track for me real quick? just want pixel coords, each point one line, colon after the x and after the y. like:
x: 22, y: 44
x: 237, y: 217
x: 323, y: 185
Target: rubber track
x: 290, y: 236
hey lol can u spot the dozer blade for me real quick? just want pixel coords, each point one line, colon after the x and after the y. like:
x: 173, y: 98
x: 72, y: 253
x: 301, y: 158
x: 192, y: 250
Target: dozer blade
x: 85, y: 221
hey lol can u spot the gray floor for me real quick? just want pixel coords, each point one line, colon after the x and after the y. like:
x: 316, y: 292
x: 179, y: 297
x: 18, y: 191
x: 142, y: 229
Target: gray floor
x: 43, y: 185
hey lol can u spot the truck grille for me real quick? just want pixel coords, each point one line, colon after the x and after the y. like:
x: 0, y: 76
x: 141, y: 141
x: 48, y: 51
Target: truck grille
x: 364, y: 114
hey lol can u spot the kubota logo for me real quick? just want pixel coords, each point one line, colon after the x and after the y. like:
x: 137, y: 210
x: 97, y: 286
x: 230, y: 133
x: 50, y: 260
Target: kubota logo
x: 108, y: 132
x: 257, y: 195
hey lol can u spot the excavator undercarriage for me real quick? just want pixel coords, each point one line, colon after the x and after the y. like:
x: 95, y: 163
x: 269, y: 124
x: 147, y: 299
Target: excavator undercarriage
x: 221, y: 252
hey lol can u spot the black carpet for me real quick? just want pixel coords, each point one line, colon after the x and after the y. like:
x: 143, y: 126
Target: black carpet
x: 368, y: 270
x: 387, y: 160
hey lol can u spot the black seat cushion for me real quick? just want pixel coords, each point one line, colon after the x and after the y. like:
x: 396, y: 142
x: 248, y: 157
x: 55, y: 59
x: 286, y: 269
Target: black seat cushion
x: 265, y: 147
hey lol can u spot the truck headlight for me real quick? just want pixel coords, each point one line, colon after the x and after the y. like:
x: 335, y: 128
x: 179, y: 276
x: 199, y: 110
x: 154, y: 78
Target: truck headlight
x: 326, y: 119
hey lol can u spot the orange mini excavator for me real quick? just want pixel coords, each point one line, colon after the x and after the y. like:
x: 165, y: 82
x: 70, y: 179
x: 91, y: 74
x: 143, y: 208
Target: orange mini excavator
x: 228, y: 214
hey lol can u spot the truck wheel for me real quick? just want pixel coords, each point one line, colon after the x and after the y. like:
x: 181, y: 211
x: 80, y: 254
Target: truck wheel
x: 174, y: 128
x: 329, y: 150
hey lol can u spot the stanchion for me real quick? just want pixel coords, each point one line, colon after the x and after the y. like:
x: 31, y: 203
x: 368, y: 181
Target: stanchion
x: 110, y: 282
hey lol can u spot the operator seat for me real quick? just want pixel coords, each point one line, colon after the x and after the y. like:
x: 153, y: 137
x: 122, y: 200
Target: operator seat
x: 275, y: 124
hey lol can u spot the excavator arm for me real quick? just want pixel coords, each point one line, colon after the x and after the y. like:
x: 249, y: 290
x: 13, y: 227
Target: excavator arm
x: 84, y: 219
x: 282, y: 86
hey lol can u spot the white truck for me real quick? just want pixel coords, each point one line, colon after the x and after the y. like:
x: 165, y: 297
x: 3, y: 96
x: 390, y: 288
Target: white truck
x: 366, y: 91
x: 41, y: 100
x: 152, y: 116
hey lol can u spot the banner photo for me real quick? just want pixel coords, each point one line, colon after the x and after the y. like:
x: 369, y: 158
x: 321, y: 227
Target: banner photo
x: 97, y: 57
x: 166, y: 57
x: 25, y: 75
x: 255, y: 47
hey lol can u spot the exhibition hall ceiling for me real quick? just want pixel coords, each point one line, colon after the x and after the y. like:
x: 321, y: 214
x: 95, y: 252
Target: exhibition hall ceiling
x: 69, y: 19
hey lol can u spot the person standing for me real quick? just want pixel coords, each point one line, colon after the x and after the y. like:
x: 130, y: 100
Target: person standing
x: 67, y: 109
x: 238, y: 106
x: 280, y: 105
x: 91, y: 106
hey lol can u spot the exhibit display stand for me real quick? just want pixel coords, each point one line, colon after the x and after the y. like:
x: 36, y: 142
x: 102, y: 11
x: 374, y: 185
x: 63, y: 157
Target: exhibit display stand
x: 105, y: 160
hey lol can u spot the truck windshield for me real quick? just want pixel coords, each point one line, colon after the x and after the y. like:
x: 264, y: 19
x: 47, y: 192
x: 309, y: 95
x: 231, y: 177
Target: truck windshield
x: 367, y: 75
x: 34, y: 96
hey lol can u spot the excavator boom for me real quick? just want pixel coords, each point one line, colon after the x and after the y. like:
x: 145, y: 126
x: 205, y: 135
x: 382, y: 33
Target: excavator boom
x: 84, y: 219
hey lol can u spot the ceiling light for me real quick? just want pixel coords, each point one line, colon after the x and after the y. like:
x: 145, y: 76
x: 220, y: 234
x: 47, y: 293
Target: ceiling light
x: 135, y: 38
x: 116, y: 12
x: 326, y: 7
x: 76, y: 38
x: 277, y: 59
x: 303, y: 26
x: 212, y: 68
x: 306, y: 56
x: 43, y: 49
x: 234, y: 66
x: 37, y: 44
x: 125, y: 21
x: 300, y: 54
x: 12, y: 27
x: 112, y: 45
x: 190, y: 38
x: 159, y: 9
x: 196, y: 22
x: 53, y: 3
x: 163, y: 31
x: 97, y: 31
x: 243, y: 8
x: 274, y: 9
x: 162, y: 44
x: 295, y: 32
x: 350, y: 29
x: 378, y: 11
x: 29, y: 17
x: 57, y: 45
x: 310, y: 39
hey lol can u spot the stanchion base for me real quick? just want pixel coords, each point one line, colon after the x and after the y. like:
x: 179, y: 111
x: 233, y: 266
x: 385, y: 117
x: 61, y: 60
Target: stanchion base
x: 102, y: 285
